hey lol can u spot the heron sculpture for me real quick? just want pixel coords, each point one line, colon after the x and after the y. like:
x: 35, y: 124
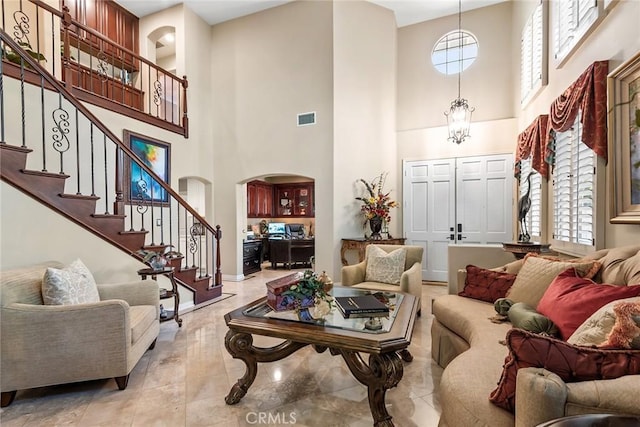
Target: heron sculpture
x: 524, y: 204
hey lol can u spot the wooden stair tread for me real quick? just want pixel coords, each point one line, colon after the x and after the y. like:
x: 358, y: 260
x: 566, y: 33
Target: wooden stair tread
x: 108, y: 216
x: 6, y: 146
x: 78, y: 196
x: 44, y: 174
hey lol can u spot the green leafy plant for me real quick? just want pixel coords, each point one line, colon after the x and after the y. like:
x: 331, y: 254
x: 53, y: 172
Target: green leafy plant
x: 12, y: 56
x: 376, y: 203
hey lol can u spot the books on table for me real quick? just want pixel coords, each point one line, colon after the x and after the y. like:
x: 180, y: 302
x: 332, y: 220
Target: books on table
x: 361, y: 306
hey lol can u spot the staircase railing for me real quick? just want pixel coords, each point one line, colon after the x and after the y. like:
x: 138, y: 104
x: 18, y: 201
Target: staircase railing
x: 66, y: 140
x: 96, y: 69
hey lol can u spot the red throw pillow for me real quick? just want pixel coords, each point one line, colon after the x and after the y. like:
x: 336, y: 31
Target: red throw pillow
x: 570, y: 362
x: 570, y: 300
x: 486, y: 285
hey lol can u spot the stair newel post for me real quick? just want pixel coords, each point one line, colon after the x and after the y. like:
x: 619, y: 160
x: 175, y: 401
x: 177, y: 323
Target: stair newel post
x: 185, y: 118
x: 66, y: 51
x: 218, y: 236
x: 118, y: 204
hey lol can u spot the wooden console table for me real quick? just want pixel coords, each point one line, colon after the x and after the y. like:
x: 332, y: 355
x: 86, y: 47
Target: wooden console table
x: 359, y: 244
x: 521, y: 249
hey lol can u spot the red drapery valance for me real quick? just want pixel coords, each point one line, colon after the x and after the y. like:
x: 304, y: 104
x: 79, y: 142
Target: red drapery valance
x: 533, y: 143
x: 589, y: 94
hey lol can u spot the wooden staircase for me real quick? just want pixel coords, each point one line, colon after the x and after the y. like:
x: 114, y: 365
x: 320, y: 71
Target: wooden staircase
x: 114, y: 227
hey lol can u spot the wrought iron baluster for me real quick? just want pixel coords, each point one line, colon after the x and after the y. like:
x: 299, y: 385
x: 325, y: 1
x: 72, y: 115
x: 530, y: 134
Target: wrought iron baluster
x: 53, y: 45
x: 60, y: 130
x: 21, y: 28
x: 22, y: 106
x: 42, y: 115
x: 106, y: 176
x: 77, y: 154
x: 93, y: 177
x: 2, y: 87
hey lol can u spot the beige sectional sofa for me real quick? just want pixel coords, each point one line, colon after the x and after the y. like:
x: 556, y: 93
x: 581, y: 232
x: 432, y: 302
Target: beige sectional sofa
x: 468, y: 345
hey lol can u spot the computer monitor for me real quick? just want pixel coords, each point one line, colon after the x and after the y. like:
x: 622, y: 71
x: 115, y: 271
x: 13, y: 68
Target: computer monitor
x: 274, y: 228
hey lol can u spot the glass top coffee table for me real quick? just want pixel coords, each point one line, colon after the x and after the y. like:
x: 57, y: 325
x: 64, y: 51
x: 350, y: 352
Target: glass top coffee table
x: 348, y: 338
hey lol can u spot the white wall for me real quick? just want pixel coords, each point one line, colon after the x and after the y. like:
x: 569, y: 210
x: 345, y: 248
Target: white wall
x: 364, y: 114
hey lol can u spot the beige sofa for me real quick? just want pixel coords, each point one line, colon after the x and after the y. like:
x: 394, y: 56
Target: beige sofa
x: 467, y: 345
x: 410, y: 281
x: 43, y: 345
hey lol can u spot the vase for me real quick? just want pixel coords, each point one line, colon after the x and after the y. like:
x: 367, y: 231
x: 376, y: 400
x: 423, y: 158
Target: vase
x: 158, y: 263
x: 375, y: 224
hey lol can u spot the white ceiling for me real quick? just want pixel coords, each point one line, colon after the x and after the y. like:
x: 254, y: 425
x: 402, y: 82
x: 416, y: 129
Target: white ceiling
x: 215, y: 11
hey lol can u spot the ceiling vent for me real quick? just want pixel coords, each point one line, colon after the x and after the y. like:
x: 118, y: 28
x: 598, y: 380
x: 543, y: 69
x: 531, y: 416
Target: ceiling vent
x: 306, y: 119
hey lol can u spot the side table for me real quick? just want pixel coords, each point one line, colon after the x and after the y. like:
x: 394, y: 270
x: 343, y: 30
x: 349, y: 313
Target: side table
x: 173, y: 293
x: 361, y: 243
x: 521, y: 249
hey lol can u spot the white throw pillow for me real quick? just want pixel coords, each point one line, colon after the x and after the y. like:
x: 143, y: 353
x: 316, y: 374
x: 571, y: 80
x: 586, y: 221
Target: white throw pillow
x: 595, y: 329
x: 73, y: 284
x: 385, y: 267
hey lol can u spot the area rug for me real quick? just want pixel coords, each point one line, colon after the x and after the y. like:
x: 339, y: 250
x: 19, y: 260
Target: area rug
x: 222, y: 297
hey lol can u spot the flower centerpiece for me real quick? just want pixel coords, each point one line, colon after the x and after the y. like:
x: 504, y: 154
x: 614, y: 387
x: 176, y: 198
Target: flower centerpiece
x: 376, y: 205
x: 311, y: 291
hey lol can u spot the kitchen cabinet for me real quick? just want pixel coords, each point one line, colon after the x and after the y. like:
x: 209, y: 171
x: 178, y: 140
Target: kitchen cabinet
x: 259, y: 199
x: 295, y: 200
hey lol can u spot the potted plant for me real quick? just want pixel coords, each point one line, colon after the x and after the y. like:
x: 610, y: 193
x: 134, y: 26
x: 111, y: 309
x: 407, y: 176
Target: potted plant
x: 311, y: 291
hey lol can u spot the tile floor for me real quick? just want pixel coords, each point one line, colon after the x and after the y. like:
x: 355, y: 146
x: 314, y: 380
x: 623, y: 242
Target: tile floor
x: 184, y: 380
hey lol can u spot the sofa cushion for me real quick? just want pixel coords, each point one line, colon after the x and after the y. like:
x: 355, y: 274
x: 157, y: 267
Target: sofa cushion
x: 620, y: 266
x: 571, y: 363
x: 385, y: 267
x: 141, y: 317
x: 570, y: 300
x: 73, y: 284
x: 594, y: 330
x: 537, y: 273
x: 525, y: 317
x: 486, y: 285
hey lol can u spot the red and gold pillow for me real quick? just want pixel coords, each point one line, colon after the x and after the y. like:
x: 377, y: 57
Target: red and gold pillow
x: 486, y: 285
x: 571, y: 363
x: 570, y: 300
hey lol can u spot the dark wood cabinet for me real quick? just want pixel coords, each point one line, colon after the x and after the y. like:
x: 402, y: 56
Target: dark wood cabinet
x: 112, y: 21
x: 295, y: 200
x: 251, y: 256
x: 259, y: 199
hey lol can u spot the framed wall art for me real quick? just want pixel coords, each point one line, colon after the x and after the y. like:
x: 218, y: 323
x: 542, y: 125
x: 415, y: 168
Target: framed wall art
x: 138, y: 184
x: 623, y: 89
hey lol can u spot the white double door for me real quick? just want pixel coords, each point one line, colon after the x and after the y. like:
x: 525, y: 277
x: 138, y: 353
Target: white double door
x: 456, y: 201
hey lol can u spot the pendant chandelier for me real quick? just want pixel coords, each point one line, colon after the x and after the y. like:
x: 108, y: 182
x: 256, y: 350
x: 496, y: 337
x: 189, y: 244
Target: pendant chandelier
x: 459, y: 114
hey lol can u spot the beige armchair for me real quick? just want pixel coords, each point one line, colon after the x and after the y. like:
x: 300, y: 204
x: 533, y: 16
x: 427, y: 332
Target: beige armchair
x: 410, y: 281
x: 43, y: 345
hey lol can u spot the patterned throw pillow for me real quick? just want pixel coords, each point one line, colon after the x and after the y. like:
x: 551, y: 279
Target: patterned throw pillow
x: 486, y: 285
x: 594, y: 330
x: 71, y: 285
x: 537, y: 273
x: 571, y: 363
x: 385, y: 267
x: 570, y: 300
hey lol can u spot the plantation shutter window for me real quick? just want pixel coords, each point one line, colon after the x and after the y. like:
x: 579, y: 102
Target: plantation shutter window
x: 573, y: 189
x: 533, y: 66
x: 571, y: 21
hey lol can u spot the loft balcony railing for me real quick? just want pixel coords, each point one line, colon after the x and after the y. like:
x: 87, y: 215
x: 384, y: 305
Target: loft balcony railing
x: 93, y: 67
x: 66, y: 141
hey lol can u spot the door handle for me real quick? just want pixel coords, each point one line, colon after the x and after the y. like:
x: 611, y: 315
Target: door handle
x: 460, y: 237
x: 452, y: 236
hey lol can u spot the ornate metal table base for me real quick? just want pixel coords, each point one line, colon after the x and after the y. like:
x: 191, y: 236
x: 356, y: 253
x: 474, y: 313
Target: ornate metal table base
x: 382, y: 372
